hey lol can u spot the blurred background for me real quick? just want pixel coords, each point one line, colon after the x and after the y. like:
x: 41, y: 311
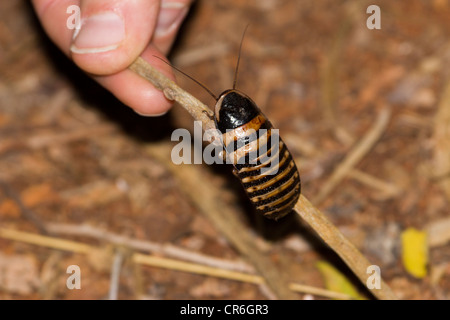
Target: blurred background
x: 76, y: 164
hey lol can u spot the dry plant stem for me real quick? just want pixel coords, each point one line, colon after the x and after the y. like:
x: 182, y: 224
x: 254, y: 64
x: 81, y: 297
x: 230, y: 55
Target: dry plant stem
x: 355, y: 155
x: 324, y: 228
x: 154, y: 261
x: 344, y: 248
x: 441, y: 137
x: 165, y: 249
x: 215, y: 272
x: 386, y: 188
x: 198, y: 110
x: 115, y: 275
x: 45, y: 241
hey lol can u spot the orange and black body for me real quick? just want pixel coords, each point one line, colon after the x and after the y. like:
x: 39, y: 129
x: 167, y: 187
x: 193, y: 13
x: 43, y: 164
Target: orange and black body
x: 261, y: 160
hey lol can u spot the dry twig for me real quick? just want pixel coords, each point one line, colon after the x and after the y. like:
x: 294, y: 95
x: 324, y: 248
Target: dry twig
x: 324, y: 228
x: 355, y: 155
x: 441, y: 161
x: 165, y: 249
x: 154, y: 261
x: 387, y: 189
x: 113, y: 293
x: 197, y: 110
x: 215, y: 272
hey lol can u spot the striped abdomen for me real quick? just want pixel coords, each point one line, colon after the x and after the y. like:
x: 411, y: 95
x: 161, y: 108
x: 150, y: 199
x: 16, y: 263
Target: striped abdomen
x: 262, y: 161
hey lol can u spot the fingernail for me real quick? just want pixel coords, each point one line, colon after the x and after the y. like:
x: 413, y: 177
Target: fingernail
x: 170, y: 17
x: 151, y: 115
x: 99, y: 33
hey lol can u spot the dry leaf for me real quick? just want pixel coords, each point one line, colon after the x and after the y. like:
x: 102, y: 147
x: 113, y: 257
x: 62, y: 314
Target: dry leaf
x: 210, y: 288
x: 438, y: 232
x: 8, y: 208
x: 38, y: 194
x: 18, y: 273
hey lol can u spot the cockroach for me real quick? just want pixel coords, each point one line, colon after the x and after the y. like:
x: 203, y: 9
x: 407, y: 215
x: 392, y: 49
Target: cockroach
x: 261, y: 160
x: 269, y: 177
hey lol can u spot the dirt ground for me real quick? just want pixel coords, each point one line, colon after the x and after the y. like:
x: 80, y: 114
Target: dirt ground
x: 76, y: 164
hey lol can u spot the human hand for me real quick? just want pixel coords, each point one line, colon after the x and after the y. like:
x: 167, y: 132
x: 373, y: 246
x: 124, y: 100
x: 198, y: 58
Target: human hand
x: 113, y: 34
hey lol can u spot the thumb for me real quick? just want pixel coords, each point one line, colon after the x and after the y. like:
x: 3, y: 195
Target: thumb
x: 112, y: 34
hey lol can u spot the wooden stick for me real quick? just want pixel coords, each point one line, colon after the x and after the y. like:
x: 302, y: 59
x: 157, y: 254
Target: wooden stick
x: 198, y: 110
x: 324, y: 228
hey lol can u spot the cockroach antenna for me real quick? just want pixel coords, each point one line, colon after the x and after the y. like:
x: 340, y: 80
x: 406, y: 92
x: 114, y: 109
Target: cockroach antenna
x: 239, y: 58
x: 197, y: 82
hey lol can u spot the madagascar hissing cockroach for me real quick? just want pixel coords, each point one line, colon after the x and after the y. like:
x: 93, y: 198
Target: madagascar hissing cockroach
x: 260, y: 158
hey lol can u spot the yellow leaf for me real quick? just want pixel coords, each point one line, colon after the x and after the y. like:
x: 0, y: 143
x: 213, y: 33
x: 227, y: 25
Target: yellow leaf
x: 336, y: 281
x: 415, y: 252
